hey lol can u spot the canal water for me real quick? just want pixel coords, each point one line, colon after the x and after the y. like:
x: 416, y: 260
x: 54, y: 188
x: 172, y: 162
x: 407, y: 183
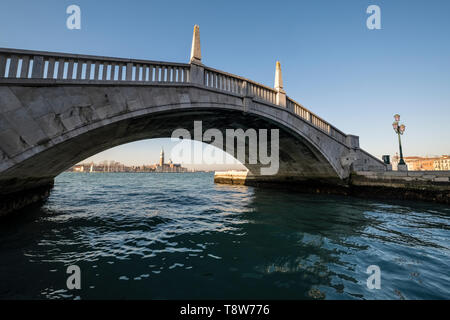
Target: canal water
x: 180, y: 236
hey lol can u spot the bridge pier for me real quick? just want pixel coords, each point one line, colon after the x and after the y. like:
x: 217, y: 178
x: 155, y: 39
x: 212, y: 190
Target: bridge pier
x: 23, y: 194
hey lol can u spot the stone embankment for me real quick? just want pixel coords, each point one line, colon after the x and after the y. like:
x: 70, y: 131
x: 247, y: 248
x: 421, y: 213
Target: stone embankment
x: 431, y: 186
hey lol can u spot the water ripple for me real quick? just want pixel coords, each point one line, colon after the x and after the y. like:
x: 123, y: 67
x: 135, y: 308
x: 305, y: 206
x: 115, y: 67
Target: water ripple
x: 178, y: 236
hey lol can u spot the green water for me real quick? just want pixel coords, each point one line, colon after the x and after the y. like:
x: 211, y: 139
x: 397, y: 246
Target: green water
x: 180, y: 236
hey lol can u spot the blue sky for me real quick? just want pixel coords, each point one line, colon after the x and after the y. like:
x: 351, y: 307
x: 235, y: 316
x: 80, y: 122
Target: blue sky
x: 353, y: 77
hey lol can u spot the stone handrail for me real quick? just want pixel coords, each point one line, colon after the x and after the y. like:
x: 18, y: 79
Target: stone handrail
x: 27, y: 64
x: 318, y: 122
x: 231, y: 83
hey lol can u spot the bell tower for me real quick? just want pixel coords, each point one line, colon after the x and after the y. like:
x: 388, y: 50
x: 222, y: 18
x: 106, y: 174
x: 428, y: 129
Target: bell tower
x: 161, y: 157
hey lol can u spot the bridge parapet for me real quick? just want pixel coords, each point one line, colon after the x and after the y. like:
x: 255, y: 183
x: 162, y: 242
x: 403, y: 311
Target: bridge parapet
x: 16, y: 64
x: 26, y: 64
x: 221, y: 80
x: 52, y: 67
x: 315, y: 120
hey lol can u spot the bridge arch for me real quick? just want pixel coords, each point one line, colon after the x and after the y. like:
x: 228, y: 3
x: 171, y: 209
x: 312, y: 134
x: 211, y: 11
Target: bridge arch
x: 57, y: 109
x: 82, y: 130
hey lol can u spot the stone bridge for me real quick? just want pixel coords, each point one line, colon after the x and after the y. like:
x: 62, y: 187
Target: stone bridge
x: 57, y: 109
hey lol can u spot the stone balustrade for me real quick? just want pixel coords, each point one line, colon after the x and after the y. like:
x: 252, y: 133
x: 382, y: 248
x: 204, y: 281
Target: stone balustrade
x: 26, y: 65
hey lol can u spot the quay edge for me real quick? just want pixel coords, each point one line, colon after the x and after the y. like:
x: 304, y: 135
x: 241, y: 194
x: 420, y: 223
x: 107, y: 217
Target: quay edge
x: 431, y: 186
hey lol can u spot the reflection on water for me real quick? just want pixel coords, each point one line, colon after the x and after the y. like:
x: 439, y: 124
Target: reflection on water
x: 179, y: 236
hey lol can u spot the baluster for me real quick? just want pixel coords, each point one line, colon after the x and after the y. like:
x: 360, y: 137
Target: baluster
x: 159, y: 75
x: 70, y: 69
x: 13, y: 64
x: 136, y: 71
x: 3, y: 59
x: 175, y: 74
x: 163, y: 73
x: 38, y: 67
x: 50, y: 68
x: 166, y: 74
x: 173, y: 71
x: 129, y: 72
x: 140, y: 72
x: 79, y: 70
x: 88, y: 70
x: 104, y: 71
x: 120, y: 71
x: 145, y: 73
x: 157, y: 71
x: 113, y: 71
x: 151, y: 73
x: 178, y: 74
x: 188, y: 74
x: 110, y: 73
x: 210, y: 79
x: 25, y: 66
x: 96, y: 66
x: 60, y: 73
x: 185, y: 74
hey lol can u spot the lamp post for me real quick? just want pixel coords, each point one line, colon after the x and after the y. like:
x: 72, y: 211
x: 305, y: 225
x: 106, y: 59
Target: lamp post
x: 399, y: 129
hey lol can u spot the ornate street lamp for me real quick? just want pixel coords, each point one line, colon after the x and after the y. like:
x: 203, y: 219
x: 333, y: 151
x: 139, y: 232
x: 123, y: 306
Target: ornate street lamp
x: 399, y: 129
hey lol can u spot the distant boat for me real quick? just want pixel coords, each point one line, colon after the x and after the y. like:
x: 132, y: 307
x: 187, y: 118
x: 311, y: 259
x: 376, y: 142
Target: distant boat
x: 92, y: 168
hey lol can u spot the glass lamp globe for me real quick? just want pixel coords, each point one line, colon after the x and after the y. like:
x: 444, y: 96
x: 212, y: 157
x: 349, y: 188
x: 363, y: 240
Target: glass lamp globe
x: 395, y: 126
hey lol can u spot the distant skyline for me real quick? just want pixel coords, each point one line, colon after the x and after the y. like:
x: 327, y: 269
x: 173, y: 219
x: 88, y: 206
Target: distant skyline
x: 352, y: 77
x: 148, y: 151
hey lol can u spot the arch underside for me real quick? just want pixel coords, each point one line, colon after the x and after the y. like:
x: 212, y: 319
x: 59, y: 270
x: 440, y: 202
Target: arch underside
x: 299, y: 160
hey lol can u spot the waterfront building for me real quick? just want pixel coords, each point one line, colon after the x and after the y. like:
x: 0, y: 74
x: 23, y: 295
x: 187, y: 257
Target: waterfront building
x: 416, y: 163
x: 443, y: 163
